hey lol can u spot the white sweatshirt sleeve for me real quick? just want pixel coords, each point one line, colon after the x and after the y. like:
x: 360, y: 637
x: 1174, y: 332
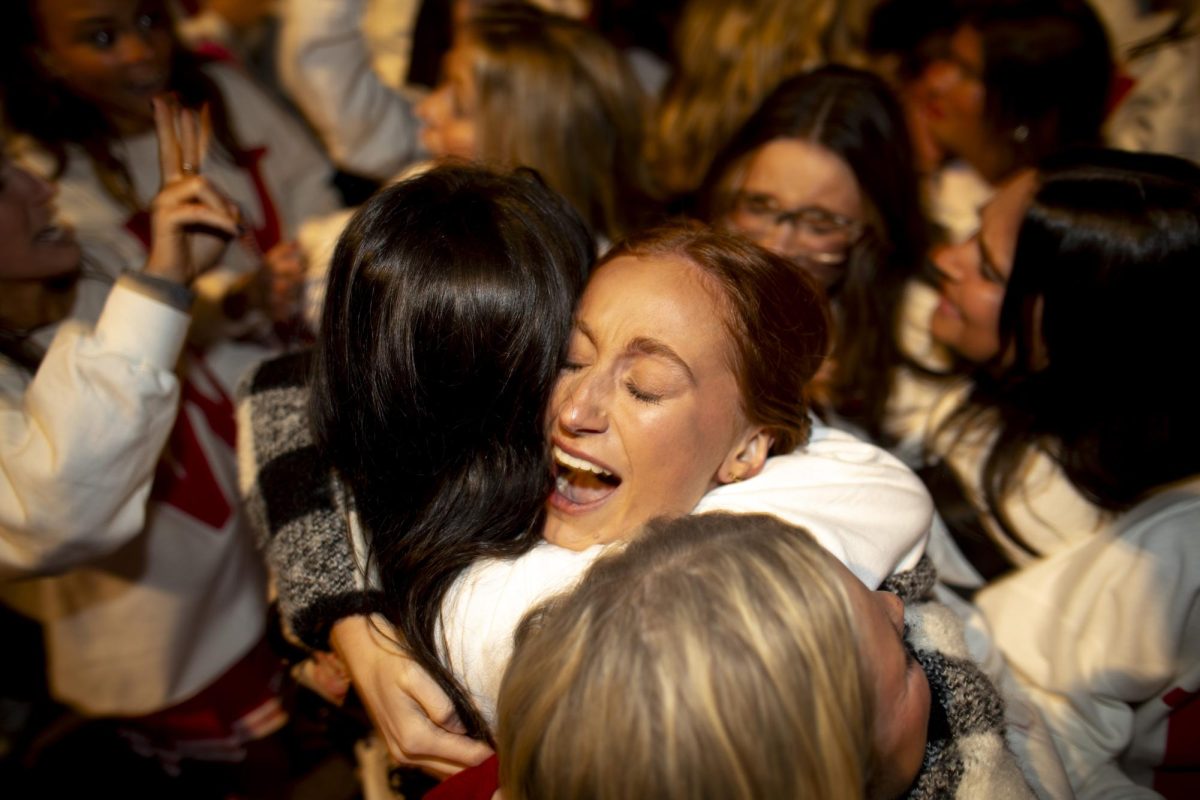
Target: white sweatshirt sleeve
x: 368, y: 127
x: 1102, y: 635
x: 79, y: 444
x: 858, y: 501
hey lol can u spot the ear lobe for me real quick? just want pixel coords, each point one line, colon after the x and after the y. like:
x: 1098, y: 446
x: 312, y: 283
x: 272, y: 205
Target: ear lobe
x: 747, y: 457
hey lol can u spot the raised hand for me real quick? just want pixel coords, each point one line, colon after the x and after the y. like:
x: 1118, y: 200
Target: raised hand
x: 191, y: 222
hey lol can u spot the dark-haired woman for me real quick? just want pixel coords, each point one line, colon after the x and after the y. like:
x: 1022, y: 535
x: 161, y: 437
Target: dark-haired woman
x: 1009, y: 84
x: 82, y: 109
x: 117, y: 505
x: 823, y: 174
x: 1076, y: 446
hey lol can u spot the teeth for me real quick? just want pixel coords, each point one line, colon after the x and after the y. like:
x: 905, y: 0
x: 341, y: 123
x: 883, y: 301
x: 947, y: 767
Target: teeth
x: 568, y: 460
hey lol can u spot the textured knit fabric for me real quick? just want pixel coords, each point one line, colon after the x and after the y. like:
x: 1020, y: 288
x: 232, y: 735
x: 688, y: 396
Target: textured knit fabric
x: 966, y: 755
x: 291, y: 499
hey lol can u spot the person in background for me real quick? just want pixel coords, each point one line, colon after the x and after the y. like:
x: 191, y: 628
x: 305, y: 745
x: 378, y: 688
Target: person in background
x: 120, y: 534
x: 83, y: 118
x: 1071, y: 495
x: 728, y: 57
x: 1009, y: 84
x: 823, y: 175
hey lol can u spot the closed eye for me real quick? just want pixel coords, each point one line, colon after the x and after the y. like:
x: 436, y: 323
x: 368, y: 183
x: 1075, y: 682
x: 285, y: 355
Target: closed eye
x: 645, y: 397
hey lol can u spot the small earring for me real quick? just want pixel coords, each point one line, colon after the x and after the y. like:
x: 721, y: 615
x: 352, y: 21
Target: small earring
x: 1020, y: 133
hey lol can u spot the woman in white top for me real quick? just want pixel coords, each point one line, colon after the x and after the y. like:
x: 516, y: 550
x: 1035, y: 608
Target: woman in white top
x: 1076, y: 447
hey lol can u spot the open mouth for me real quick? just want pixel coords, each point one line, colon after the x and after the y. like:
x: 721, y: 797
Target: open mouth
x: 54, y: 233
x: 579, y: 482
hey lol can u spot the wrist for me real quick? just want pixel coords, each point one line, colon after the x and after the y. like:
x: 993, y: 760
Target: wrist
x: 161, y: 288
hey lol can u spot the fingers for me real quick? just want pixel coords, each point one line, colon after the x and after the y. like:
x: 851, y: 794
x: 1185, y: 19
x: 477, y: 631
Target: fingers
x: 183, y: 138
x: 196, y: 193
x: 204, y: 139
x: 189, y: 141
x: 434, y: 750
x: 169, y: 156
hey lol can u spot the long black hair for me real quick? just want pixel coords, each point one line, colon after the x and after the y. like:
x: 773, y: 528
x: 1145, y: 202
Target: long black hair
x: 856, y: 116
x: 38, y: 104
x: 1096, y: 331
x: 446, y: 319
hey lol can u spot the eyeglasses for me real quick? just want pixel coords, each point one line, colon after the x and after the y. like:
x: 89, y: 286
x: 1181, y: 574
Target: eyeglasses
x: 825, y: 236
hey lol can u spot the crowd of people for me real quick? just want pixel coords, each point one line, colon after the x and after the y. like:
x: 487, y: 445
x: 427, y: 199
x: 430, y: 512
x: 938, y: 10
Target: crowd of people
x: 714, y: 398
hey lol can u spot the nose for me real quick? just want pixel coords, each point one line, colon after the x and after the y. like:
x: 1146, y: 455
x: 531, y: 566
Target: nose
x: 950, y: 260
x: 780, y: 239
x: 432, y: 106
x: 582, y: 410
x: 938, y: 76
x: 39, y: 190
x: 136, y: 47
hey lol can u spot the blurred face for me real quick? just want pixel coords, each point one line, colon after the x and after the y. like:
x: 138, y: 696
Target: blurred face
x: 974, y: 274
x: 647, y: 414
x: 32, y: 245
x: 799, y: 200
x: 900, y: 686
x: 115, y: 54
x: 950, y: 99
x: 449, y: 115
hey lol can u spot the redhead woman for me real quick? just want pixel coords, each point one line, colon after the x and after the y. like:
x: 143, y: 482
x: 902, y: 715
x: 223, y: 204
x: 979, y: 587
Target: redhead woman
x: 823, y: 174
x: 662, y: 399
x: 1080, y: 491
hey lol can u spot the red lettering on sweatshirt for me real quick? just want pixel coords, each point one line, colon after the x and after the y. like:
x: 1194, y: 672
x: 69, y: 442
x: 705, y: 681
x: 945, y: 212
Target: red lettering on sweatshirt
x: 1179, y: 774
x: 184, y: 479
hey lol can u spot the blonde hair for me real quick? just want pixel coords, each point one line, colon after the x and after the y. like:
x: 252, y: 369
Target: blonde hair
x: 730, y: 54
x: 556, y: 96
x: 715, y: 657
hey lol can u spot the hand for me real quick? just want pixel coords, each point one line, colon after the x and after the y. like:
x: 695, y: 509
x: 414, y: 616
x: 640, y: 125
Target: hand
x: 283, y: 270
x: 191, y: 222
x: 411, y: 711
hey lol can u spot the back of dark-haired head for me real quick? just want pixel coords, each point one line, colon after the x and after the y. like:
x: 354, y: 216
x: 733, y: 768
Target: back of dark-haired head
x: 448, y: 310
x: 1048, y: 70
x: 39, y: 105
x: 1099, y: 321
x: 776, y: 316
x: 854, y: 115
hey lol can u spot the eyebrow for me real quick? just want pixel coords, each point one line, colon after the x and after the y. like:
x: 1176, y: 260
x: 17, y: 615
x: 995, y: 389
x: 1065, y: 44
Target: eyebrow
x: 646, y: 346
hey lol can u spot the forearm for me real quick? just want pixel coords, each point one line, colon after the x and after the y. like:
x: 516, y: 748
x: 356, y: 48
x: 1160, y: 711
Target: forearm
x: 81, y: 445
x: 324, y: 62
x: 293, y: 503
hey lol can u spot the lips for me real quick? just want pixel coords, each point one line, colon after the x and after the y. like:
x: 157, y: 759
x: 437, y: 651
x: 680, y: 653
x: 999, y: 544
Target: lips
x: 54, y: 233
x: 947, y: 308
x: 580, y: 484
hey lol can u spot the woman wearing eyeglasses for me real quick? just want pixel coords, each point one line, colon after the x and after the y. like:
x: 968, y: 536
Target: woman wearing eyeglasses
x: 823, y: 174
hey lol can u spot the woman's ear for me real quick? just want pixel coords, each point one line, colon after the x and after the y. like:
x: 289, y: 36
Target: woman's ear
x: 746, y: 458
